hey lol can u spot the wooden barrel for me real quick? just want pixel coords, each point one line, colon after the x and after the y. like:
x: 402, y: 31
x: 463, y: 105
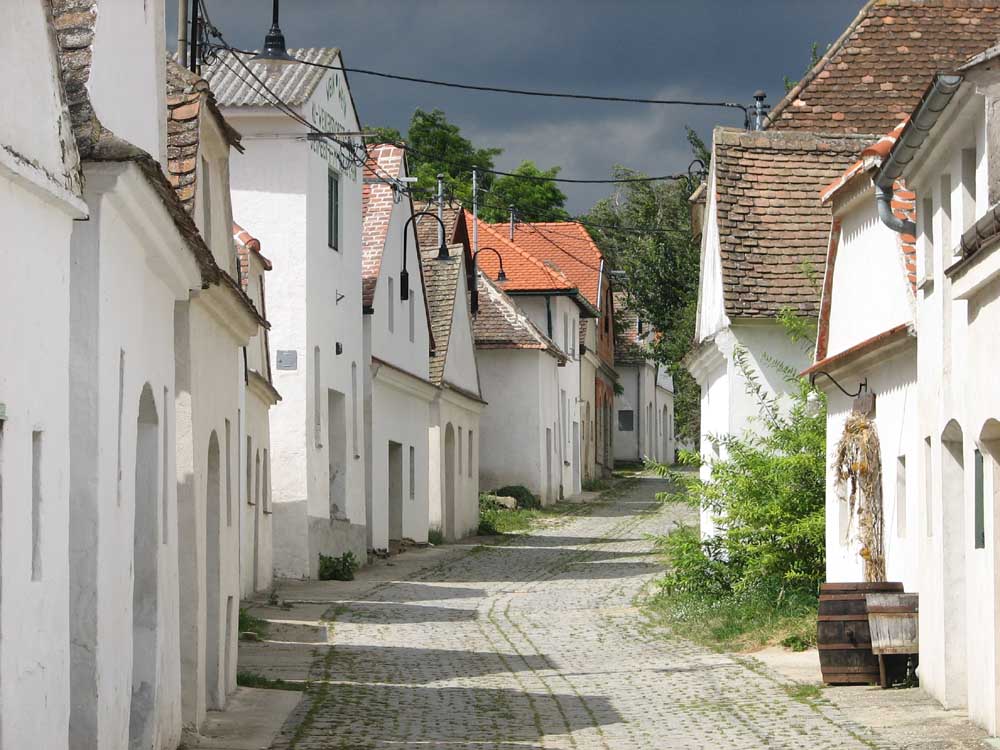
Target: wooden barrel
x: 843, y: 637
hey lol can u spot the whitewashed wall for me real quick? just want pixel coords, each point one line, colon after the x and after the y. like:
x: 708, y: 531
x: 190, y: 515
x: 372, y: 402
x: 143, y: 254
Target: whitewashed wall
x: 521, y: 388
x: 39, y: 199
x: 121, y: 341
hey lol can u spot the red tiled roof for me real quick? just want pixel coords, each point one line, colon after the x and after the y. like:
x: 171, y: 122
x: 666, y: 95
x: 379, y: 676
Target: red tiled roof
x: 871, y: 157
x: 377, y: 200
x: 564, y: 244
x: 773, y: 232
x: 876, y: 72
x: 246, y: 244
x: 525, y: 273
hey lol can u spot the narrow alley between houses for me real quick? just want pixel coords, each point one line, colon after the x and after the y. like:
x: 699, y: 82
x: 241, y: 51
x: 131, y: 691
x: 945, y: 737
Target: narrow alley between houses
x: 533, y: 643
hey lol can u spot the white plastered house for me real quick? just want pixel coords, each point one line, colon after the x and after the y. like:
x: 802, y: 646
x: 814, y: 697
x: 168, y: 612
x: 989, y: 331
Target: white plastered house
x: 303, y: 199
x: 644, y: 409
x: 258, y: 396
x: 454, y: 469
x: 866, y: 345
x: 41, y: 194
x: 763, y: 251
x: 136, y: 261
x: 555, y: 304
x: 397, y: 343
x: 519, y: 371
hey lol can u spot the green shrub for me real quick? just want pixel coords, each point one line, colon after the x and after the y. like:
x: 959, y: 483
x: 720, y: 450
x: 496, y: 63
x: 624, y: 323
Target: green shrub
x: 250, y: 624
x: 254, y: 680
x: 762, y: 569
x: 338, y: 568
x: 525, y: 498
x: 435, y: 537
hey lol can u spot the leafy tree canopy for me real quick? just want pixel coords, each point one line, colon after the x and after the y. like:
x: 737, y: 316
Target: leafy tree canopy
x: 437, y: 146
x: 661, y: 266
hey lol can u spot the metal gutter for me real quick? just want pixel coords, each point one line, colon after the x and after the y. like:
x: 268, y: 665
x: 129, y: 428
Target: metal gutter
x: 934, y: 102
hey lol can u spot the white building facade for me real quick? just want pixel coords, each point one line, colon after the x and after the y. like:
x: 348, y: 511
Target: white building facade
x: 40, y: 197
x: 397, y: 342
x: 303, y: 199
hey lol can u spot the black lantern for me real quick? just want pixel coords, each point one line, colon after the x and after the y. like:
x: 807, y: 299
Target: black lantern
x: 274, y: 54
x: 404, y: 275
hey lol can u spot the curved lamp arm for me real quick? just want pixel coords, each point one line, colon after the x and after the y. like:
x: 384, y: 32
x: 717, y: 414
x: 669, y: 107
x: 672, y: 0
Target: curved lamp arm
x: 862, y: 386
x: 404, y: 275
x: 475, y: 282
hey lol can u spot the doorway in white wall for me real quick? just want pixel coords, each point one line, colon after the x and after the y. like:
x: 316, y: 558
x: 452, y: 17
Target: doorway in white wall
x: 448, y: 511
x: 665, y: 456
x: 145, y: 549
x: 395, y: 491
x: 336, y: 445
x: 214, y: 694
x: 256, y: 522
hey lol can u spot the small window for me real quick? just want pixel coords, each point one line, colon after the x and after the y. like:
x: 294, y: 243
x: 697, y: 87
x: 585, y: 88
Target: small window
x: 625, y: 420
x: 638, y: 326
x: 460, y: 451
x: 980, y: 521
x: 901, y: 497
x: 256, y: 478
x: 413, y: 473
x: 333, y: 211
x: 391, y: 304
x: 413, y: 316
x: 469, y: 463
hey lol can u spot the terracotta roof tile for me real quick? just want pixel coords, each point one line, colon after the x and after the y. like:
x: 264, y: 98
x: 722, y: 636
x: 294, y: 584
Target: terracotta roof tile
x: 501, y: 324
x: 565, y: 245
x: 525, y: 273
x: 876, y: 72
x: 773, y: 231
x: 245, y: 245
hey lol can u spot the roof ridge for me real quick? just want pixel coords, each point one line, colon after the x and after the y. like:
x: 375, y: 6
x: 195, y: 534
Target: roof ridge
x: 818, y: 68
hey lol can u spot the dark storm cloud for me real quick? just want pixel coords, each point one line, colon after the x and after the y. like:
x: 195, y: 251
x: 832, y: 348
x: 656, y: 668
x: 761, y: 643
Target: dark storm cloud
x: 713, y: 49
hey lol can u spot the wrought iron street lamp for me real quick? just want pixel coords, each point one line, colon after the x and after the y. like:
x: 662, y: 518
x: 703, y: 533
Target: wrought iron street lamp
x: 274, y: 54
x: 404, y: 275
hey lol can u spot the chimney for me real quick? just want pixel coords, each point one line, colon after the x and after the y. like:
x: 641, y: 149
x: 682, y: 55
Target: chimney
x: 760, y: 109
x: 511, y: 209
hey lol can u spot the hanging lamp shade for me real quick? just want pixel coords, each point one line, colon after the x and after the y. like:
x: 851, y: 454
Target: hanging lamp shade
x: 274, y: 54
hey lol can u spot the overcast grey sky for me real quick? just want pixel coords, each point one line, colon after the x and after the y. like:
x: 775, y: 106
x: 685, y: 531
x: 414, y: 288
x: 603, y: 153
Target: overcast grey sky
x: 700, y: 49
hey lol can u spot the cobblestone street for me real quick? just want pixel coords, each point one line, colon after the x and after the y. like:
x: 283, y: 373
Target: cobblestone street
x: 536, y: 644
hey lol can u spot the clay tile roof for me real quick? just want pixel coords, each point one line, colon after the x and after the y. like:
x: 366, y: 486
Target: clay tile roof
x: 871, y: 157
x: 525, y: 273
x: 377, y: 201
x: 74, y: 22
x: 245, y: 245
x: 564, y: 244
x: 876, y: 72
x: 188, y: 96
x: 501, y: 324
x: 441, y: 278
x: 981, y: 234
x: 773, y: 231
x: 629, y: 348
x: 293, y: 84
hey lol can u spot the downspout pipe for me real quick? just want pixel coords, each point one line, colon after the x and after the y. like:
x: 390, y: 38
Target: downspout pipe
x: 935, y: 101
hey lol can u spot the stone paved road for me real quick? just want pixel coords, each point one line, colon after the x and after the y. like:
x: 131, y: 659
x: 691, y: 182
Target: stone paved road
x: 536, y: 644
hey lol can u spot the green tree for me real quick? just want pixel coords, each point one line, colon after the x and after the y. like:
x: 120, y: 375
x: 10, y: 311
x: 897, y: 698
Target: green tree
x: 650, y: 240
x: 534, y: 199
x: 437, y: 146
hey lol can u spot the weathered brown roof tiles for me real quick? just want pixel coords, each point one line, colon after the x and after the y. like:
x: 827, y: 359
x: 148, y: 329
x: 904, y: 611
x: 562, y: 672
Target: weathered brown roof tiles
x: 876, y: 72
x: 773, y: 230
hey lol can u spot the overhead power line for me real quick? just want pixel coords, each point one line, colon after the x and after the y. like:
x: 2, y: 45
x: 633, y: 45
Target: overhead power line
x: 525, y: 92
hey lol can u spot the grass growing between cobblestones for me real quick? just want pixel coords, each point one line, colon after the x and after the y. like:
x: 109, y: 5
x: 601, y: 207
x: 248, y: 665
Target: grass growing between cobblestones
x: 254, y: 680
